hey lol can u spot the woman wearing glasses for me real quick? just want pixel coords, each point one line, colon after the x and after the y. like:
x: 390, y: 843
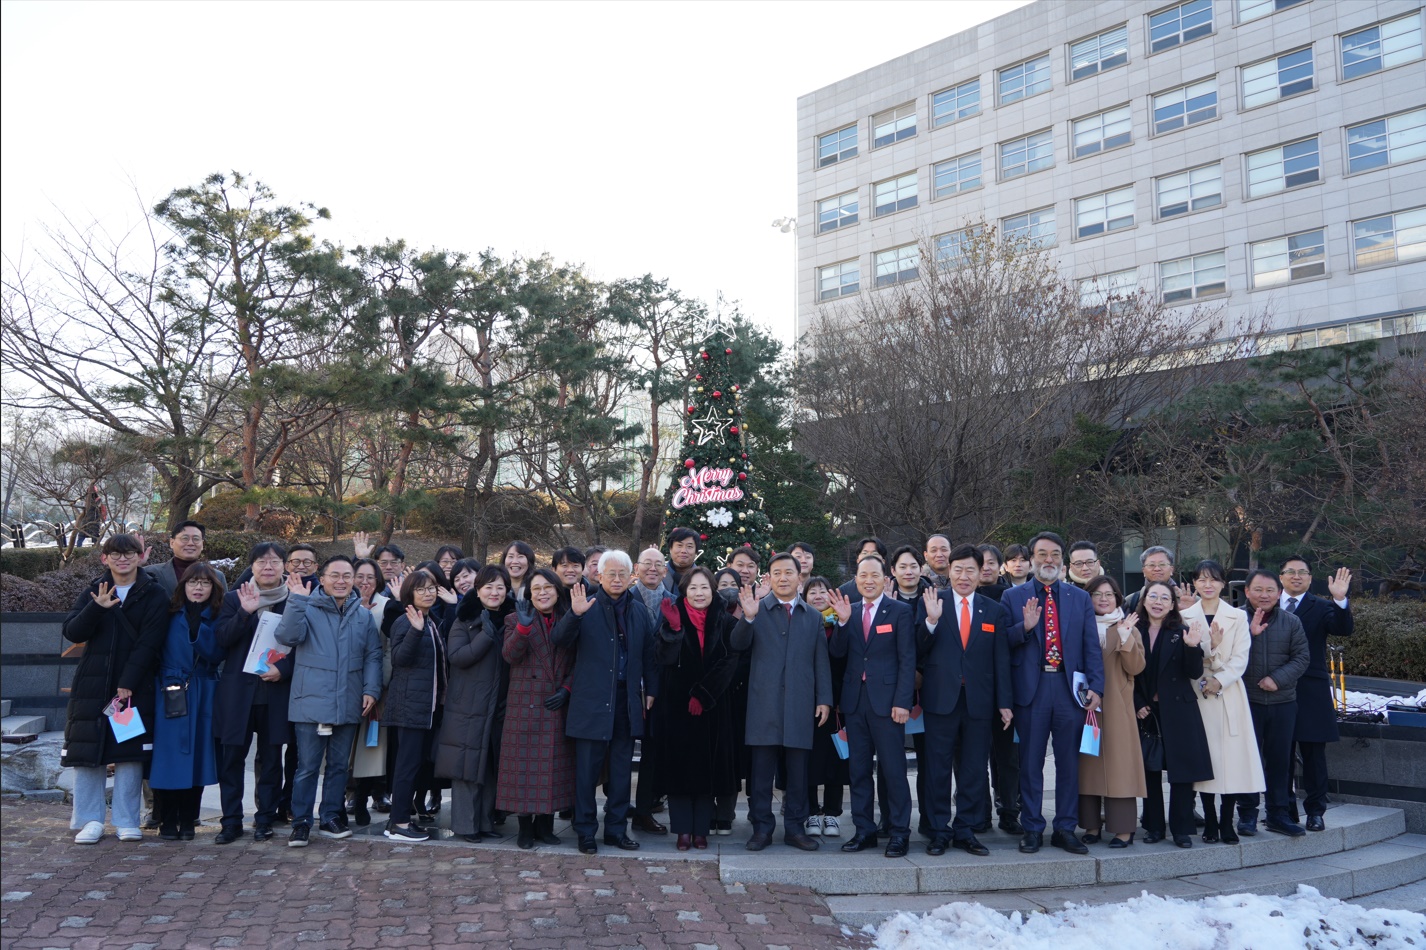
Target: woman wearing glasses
x: 1112, y: 781
x: 418, y: 685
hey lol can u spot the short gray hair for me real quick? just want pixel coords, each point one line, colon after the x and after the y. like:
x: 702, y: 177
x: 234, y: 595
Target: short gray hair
x: 616, y: 557
x: 1156, y: 549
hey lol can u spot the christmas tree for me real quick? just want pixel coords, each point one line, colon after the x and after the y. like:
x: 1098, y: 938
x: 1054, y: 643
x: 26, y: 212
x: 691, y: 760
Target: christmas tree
x: 714, y: 490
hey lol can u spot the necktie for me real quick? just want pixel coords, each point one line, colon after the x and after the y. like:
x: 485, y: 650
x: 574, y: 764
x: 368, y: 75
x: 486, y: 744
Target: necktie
x: 1292, y: 605
x: 1052, y: 632
x: 867, y: 612
x: 965, y: 623
x: 789, y: 612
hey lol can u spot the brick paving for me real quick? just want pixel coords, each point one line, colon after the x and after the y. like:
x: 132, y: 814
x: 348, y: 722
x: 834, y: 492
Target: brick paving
x: 365, y: 892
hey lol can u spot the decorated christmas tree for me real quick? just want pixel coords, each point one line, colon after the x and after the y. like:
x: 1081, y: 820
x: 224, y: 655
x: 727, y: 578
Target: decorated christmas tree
x: 715, y: 491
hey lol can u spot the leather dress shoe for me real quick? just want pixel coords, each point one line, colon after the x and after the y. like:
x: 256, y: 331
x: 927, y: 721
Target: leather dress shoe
x: 758, y: 841
x: 1012, y: 826
x: 859, y: 843
x: 167, y: 832
x: 1066, y: 841
x: 383, y: 803
x: 649, y: 825
x: 262, y: 832
x: 684, y: 842
x: 700, y: 842
x: 186, y: 833
x: 1121, y: 842
x: 884, y: 828
x: 1248, y: 829
x: 971, y: 846
x: 1091, y: 837
x: 897, y: 846
x: 1152, y: 837
x: 229, y: 835
x: 622, y: 842
x: 1183, y: 841
x: 802, y: 842
x: 937, y: 846
x: 1284, y: 827
x: 1315, y: 823
x: 1031, y: 841
x: 588, y: 845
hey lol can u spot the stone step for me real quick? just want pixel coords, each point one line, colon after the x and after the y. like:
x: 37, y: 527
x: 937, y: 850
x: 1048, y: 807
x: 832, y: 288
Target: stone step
x: 1392, y: 871
x: 1006, y: 869
x: 21, y: 725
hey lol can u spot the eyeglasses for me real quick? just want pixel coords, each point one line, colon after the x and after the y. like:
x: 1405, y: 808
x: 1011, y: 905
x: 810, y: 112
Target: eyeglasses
x: 1103, y: 594
x: 428, y: 589
x: 1296, y: 573
x: 389, y: 562
x: 1093, y: 560
x: 302, y: 561
x: 1159, y: 599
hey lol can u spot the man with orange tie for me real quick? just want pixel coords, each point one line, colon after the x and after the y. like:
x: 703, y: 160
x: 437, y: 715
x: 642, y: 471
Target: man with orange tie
x: 965, y: 692
x: 876, y: 638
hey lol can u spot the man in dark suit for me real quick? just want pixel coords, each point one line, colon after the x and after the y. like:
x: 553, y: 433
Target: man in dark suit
x: 965, y: 656
x: 877, y: 692
x: 1316, y: 713
x: 1053, y: 636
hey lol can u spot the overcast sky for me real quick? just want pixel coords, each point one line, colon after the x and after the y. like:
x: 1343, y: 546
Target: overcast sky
x: 632, y: 137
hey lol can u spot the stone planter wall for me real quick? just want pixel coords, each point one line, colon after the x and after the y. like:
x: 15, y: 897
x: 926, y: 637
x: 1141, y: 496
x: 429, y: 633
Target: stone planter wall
x: 1377, y: 764
x: 33, y: 674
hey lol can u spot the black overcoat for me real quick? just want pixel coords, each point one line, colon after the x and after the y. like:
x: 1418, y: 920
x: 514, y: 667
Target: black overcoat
x: 1172, y: 670
x: 232, y: 707
x: 698, y: 754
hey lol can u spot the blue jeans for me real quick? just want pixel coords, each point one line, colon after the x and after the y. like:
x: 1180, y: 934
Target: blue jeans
x: 89, y: 795
x: 311, y: 749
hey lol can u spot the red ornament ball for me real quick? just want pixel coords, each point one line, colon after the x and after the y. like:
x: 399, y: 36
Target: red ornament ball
x: 692, y: 409
x: 728, y: 351
x: 699, y: 377
x: 742, y: 476
x: 706, y: 356
x: 745, y: 456
x: 703, y: 537
x: 717, y: 394
x: 735, y: 387
x: 689, y: 463
x: 733, y: 429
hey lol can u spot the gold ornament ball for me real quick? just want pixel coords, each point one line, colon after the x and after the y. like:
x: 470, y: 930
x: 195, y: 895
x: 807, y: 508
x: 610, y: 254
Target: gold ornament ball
x: 742, y: 530
x: 730, y: 412
x: 728, y: 550
x: 700, y: 389
x: 742, y: 515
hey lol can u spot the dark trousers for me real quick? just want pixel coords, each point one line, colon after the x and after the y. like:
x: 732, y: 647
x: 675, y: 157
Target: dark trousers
x: 1005, y: 772
x: 650, y: 789
x: 232, y: 768
x: 1053, y: 716
x: 177, y: 807
x: 1314, y: 778
x: 831, y: 803
x: 918, y: 743
x: 410, y: 755
x: 794, y: 801
x: 690, y: 814
x: 589, y: 756
x: 1180, y: 823
x: 956, y: 744
x: 1274, y: 724
x: 287, y: 774
x: 871, y: 735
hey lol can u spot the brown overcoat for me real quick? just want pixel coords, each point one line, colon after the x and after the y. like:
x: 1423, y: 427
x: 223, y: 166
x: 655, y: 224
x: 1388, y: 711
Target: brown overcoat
x: 536, y: 775
x: 1118, y: 770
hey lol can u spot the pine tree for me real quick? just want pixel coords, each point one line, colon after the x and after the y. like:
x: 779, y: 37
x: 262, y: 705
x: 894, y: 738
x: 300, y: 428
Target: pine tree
x: 716, y: 492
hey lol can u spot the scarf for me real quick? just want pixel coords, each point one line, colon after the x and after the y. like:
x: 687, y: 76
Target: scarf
x: 1107, y: 621
x: 269, y: 598
x: 699, y: 619
x: 194, y: 613
x: 179, y: 567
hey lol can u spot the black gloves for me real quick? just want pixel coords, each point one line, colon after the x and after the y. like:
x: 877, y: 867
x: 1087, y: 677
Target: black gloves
x: 558, y: 700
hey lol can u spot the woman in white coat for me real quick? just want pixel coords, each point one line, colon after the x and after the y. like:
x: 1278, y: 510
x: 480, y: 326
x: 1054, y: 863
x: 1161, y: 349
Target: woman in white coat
x: 1223, y: 703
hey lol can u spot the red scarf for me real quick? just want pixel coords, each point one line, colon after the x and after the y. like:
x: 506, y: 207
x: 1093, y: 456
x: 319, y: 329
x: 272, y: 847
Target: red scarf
x: 699, y: 619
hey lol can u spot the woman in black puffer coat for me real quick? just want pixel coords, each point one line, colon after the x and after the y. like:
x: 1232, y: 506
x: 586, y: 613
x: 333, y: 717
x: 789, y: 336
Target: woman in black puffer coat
x: 418, y: 686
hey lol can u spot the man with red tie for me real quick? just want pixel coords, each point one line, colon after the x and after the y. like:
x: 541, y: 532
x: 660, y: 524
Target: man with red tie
x: 965, y: 693
x: 877, y: 690
x: 1053, y: 637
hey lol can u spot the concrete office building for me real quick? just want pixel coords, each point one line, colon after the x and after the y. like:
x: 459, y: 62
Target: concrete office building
x: 1259, y: 154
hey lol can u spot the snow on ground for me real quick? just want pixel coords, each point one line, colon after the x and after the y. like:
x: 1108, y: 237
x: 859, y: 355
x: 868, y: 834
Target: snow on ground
x: 1230, y: 922
x: 1371, y: 702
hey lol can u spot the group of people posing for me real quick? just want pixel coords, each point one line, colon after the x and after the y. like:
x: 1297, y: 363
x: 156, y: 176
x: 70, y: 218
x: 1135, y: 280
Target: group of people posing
x: 522, y: 690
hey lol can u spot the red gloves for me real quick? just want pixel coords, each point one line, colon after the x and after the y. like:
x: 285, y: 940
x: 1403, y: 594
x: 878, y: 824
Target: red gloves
x: 695, y: 708
x: 670, y: 613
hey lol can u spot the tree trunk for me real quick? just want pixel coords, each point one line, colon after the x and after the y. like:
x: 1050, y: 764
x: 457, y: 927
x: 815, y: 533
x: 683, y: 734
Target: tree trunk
x: 397, y: 483
x: 646, y: 477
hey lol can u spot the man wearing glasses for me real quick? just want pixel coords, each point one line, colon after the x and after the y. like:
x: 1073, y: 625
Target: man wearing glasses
x: 185, y: 540
x: 1084, y: 563
x: 302, y: 561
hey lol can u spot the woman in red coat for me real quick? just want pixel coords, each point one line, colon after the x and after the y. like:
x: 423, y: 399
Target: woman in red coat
x: 536, y: 775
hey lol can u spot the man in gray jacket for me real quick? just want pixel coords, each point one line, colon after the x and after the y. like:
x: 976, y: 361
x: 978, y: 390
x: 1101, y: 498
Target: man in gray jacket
x: 336, y: 679
x: 1277, y: 659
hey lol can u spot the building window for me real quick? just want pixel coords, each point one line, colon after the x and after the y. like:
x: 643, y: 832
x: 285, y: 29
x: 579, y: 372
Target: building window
x: 1277, y: 78
x: 1104, y: 290
x: 956, y: 103
x: 1255, y: 9
x: 1028, y: 154
x: 1389, y: 141
x: 1197, y: 189
x: 894, y: 194
x: 1286, y: 166
x: 1024, y: 79
x: 1185, y: 106
x: 1283, y: 260
x: 837, y: 146
x: 1099, y: 53
x: 1181, y: 24
x: 957, y: 175
x: 1189, y: 278
x: 897, y: 265
x: 893, y: 125
x: 1108, y: 211
x: 1033, y: 227
x: 1101, y: 132
x: 953, y: 248
x: 838, y: 212
x: 1381, y: 46
x: 1389, y: 239
x: 839, y: 280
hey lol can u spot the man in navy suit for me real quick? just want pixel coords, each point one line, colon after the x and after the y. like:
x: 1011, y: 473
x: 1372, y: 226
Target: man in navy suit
x: 1053, y: 636
x: 877, y: 692
x: 965, y: 656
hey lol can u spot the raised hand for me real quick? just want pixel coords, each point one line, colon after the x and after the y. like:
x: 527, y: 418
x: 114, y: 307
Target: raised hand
x: 105, y: 597
x: 1128, y: 627
x: 1193, y: 636
x: 248, y: 598
x: 764, y: 588
x: 749, y: 601
x: 148, y: 548
x: 1031, y: 613
x: 1185, y: 597
x: 295, y: 585
x: 841, y: 606
x: 934, y: 606
x: 1259, y: 623
x: 669, y: 609
x: 888, y: 587
x: 1215, y: 634
x: 447, y: 594
x: 1339, y: 584
x: 579, y: 601
x: 361, y: 544
x: 415, y: 618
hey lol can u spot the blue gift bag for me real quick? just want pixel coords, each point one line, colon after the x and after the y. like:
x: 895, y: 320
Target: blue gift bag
x: 839, y: 742
x: 373, y: 734
x: 916, y: 725
x: 1089, y: 739
x: 126, y: 722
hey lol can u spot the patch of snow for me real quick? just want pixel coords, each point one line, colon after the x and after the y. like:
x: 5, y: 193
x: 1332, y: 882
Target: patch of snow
x: 1371, y: 702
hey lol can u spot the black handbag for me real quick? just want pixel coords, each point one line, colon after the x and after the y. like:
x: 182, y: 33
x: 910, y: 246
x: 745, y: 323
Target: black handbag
x: 175, y: 701
x: 1152, y: 745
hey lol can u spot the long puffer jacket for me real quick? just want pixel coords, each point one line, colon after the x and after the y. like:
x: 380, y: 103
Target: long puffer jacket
x: 418, y: 674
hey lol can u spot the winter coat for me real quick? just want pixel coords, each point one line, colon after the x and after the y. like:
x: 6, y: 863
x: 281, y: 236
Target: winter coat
x: 418, y: 675
x: 536, y: 774
x: 1118, y: 770
x: 121, y: 650
x: 1316, y: 713
x: 237, y: 691
x: 466, y: 748
x: 1168, y: 685
x: 789, y: 676
x: 338, y: 657
x: 826, y: 766
x: 185, y: 753
x: 595, y: 638
x: 1281, y: 652
x: 1227, y: 720
x: 697, y: 754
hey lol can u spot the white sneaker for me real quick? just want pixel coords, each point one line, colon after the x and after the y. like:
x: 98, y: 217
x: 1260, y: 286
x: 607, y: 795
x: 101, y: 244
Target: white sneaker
x: 131, y: 834
x: 814, y: 824
x: 90, y: 833
x: 830, y: 828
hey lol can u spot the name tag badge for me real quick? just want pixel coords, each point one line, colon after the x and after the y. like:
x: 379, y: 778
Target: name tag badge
x: 988, y: 627
x: 883, y: 628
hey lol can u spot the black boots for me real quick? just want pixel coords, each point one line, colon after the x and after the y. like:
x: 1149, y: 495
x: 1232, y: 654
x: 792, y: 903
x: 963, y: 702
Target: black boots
x: 526, y: 838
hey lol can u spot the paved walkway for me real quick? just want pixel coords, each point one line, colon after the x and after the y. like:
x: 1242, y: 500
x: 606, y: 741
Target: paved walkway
x: 375, y: 893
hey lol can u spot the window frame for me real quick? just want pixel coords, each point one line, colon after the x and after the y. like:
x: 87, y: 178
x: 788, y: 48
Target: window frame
x: 1420, y: 16
x: 1387, y: 133
x: 1102, y: 147
x: 895, y: 116
x: 1396, y: 230
x: 1000, y: 98
x: 842, y: 154
x: 979, y: 175
x: 1277, y: 7
x: 1281, y: 149
x: 842, y: 291
x: 1105, y: 207
x: 1189, y: 208
x: 941, y: 242
x: 943, y: 122
x: 1181, y: 41
x: 1000, y: 154
x: 1194, y: 294
x: 1099, y: 67
x: 1155, y: 131
x: 897, y: 205
x: 902, y: 274
x: 1277, y: 73
x: 1103, y: 286
x: 841, y: 216
x: 1029, y: 240
x: 1254, y: 281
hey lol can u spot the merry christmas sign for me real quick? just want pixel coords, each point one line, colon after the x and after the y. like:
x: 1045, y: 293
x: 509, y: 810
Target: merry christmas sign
x: 703, y: 486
